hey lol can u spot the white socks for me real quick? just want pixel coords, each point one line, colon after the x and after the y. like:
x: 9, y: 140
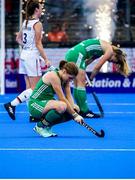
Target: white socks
x: 24, y: 96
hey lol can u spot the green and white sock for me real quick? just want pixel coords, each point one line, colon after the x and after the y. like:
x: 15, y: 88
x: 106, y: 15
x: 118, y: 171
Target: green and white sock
x: 81, y: 98
x: 52, y: 117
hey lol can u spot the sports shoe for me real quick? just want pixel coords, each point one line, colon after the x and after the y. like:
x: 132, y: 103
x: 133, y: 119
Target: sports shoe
x: 45, y: 132
x: 90, y: 114
x: 10, y: 109
x: 49, y: 130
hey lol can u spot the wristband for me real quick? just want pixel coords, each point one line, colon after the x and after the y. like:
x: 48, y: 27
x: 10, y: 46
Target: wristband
x: 75, y: 115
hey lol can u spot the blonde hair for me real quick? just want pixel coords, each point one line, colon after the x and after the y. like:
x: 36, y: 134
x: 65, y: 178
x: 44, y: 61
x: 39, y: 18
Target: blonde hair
x: 121, y: 61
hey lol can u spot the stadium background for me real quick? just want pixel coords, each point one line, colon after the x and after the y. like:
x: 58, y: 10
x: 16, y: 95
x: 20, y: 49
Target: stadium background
x: 110, y: 20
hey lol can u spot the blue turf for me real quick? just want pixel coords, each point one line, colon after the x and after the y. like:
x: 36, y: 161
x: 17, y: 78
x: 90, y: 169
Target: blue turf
x: 76, y: 152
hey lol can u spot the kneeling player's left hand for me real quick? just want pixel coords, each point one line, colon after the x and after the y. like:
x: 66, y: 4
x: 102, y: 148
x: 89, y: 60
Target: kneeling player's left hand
x: 78, y: 118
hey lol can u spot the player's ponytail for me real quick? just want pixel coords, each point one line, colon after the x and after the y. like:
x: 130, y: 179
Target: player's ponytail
x: 30, y: 8
x: 121, y: 61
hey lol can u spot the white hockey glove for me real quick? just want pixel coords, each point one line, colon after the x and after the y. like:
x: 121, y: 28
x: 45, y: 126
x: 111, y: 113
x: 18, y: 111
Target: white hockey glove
x: 78, y: 118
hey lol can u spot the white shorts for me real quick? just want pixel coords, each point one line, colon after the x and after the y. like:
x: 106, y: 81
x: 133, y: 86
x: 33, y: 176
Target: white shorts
x: 29, y: 63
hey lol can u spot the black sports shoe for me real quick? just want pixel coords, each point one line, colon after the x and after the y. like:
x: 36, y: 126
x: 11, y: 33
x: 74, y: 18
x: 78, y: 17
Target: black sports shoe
x: 90, y: 114
x: 10, y: 109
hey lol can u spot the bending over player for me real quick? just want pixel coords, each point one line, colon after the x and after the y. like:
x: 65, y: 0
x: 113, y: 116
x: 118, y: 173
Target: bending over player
x: 84, y: 54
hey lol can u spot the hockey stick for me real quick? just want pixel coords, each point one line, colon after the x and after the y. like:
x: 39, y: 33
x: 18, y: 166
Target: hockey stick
x: 98, y: 134
x: 96, y: 98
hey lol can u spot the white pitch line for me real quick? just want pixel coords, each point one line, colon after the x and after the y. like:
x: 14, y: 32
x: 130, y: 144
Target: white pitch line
x: 109, y: 112
x: 115, y: 112
x: 66, y: 149
x: 115, y: 104
x: 107, y: 104
x: 19, y: 112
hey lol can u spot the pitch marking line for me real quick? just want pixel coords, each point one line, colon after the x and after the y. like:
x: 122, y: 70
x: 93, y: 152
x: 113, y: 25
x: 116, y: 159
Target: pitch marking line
x: 70, y: 149
x: 113, y: 112
x: 108, y: 104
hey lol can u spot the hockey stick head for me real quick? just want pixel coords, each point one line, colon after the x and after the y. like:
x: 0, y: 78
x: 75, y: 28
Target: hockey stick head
x: 101, y: 134
x: 98, y: 134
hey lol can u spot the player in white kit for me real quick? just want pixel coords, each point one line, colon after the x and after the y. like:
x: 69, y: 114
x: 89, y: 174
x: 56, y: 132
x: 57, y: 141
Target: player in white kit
x: 30, y: 38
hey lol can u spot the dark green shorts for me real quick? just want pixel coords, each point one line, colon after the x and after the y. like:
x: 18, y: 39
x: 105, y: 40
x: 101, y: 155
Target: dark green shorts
x: 77, y: 57
x: 36, y: 107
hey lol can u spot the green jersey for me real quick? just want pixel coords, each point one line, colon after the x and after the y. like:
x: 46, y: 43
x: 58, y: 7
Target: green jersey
x: 39, y: 98
x: 42, y: 92
x: 88, y: 49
